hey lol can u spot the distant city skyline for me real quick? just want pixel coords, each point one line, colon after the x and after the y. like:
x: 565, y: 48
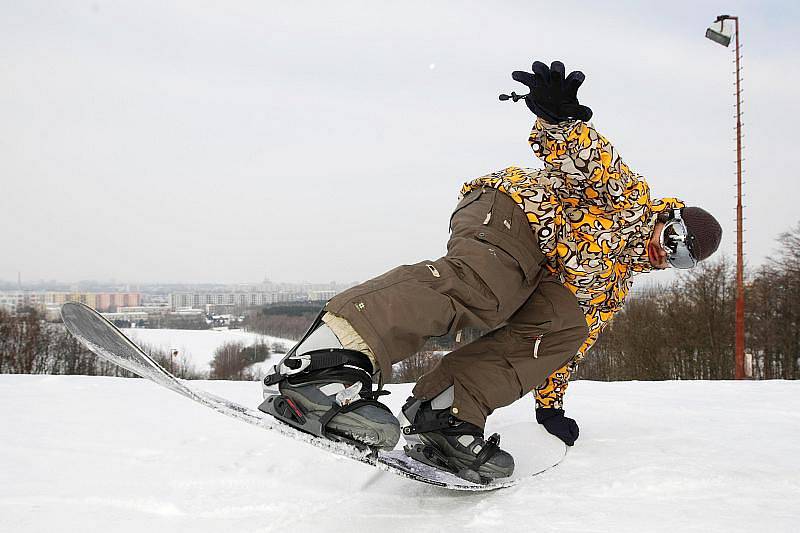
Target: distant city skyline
x: 185, y: 142
x: 55, y: 282
x: 644, y: 281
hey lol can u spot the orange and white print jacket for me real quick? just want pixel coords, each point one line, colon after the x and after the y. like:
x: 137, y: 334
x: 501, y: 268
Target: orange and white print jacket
x: 592, y: 217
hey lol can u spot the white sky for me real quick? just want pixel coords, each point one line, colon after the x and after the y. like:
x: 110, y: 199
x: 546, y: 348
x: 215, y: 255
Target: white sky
x: 222, y: 142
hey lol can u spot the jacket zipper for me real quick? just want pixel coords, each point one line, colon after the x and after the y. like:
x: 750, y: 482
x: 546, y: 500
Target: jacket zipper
x: 536, y: 346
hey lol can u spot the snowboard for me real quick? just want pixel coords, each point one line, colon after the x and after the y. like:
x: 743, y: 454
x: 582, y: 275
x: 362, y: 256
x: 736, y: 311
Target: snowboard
x: 106, y: 341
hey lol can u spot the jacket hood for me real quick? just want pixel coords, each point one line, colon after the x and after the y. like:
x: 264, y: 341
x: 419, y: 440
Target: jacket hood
x: 635, y: 255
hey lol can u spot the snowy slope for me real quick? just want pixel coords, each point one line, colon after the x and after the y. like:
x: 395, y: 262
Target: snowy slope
x: 111, y: 454
x: 198, y: 345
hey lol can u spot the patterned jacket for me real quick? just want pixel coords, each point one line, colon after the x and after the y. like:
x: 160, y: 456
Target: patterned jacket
x: 593, y: 218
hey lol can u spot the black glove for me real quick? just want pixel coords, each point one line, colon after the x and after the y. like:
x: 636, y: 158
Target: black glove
x: 553, y: 98
x: 559, y: 425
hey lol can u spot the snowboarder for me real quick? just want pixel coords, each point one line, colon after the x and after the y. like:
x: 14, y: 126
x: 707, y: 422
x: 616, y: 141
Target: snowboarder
x: 542, y: 258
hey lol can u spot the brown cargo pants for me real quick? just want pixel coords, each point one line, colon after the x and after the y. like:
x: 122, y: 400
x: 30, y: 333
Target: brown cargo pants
x: 491, y: 278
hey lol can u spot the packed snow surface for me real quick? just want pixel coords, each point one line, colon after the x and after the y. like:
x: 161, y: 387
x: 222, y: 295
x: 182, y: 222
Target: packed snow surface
x: 112, y: 454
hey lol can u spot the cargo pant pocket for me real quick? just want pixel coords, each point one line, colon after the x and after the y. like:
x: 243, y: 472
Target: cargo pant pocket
x: 529, y: 259
x: 545, y: 333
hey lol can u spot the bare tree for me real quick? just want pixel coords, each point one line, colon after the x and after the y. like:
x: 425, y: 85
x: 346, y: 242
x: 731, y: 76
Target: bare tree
x: 230, y: 362
x: 409, y: 370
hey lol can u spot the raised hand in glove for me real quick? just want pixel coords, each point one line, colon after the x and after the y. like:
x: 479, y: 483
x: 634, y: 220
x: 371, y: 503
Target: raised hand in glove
x: 559, y: 425
x: 552, y: 97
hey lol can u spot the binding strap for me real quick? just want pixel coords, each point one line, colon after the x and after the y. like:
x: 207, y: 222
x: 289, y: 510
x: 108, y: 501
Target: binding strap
x: 336, y: 409
x: 431, y: 424
x: 492, y: 444
x: 317, y: 360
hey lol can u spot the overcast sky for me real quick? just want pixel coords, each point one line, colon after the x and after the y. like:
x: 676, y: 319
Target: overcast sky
x: 229, y: 141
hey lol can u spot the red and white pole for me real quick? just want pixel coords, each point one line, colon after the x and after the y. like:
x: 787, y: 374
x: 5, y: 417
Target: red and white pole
x: 720, y: 38
x: 739, y: 348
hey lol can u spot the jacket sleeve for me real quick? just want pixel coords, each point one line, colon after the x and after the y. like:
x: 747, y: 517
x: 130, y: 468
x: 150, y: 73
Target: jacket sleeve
x: 587, y: 163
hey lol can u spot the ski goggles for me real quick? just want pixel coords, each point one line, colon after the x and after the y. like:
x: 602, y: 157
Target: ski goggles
x: 676, y: 240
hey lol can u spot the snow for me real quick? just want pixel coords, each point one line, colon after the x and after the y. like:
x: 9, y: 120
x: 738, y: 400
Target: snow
x: 198, y: 345
x: 111, y: 454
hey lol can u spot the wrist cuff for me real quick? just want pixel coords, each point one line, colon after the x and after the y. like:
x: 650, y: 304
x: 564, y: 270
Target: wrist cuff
x: 545, y: 414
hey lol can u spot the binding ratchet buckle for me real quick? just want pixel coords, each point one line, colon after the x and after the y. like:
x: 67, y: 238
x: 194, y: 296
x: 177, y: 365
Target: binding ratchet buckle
x: 288, y: 366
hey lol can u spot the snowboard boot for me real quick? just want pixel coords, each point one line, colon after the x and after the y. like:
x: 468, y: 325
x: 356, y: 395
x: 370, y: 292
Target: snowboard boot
x: 437, y: 438
x: 341, y: 397
x: 326, y: 390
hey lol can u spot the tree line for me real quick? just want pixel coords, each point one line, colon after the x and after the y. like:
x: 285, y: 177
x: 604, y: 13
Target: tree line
x: 288, y: 321
x: 684, y: 330
x: 29, y: 345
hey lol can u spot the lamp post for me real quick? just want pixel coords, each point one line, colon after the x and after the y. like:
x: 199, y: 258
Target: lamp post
x: 720, y: 38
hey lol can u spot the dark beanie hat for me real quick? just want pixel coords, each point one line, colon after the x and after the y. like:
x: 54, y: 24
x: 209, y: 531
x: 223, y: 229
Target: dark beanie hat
x: 704, y: 228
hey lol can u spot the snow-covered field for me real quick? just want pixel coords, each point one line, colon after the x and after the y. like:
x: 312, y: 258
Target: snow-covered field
x: 198, y: 345
x: 111, y: 454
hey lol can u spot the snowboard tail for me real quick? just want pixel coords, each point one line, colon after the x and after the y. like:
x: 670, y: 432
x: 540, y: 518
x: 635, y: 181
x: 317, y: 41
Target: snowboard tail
x: 107, y: 341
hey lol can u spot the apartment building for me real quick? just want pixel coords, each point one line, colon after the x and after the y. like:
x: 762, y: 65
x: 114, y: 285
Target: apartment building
x: 209, y: 300
x: 12, y: 301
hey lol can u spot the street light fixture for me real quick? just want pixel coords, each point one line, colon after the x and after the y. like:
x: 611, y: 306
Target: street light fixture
x: 719, y: 37
x: 716, y: 35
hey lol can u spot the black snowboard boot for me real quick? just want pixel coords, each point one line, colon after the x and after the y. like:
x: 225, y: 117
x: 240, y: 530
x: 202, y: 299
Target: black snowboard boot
x: 437, y: 438
x: 332, y: 394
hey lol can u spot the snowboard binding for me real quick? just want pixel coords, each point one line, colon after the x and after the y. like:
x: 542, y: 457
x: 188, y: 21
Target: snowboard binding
x: 328, y: 393
x: 432, y: 456
x: 436, y: 438
x: 330, y: 396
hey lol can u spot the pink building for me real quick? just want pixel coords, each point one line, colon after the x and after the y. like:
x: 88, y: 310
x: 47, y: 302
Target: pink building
x: 110, y: 301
